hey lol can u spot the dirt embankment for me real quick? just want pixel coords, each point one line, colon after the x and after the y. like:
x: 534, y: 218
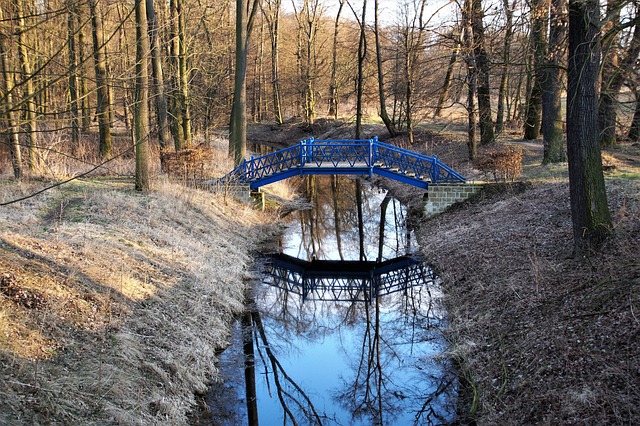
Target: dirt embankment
x: 541, y: 337
x: 112, y: 303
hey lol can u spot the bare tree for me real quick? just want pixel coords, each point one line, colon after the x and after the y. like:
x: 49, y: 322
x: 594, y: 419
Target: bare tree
x: 272, y: 15
x: 589, y: 209
x: 551, y: 86
x: 384, y: 115
x: 157, y: 77
x: 483, y: 69
x: 141, y: 115
x: 506, y: 58
x: 102, y: 89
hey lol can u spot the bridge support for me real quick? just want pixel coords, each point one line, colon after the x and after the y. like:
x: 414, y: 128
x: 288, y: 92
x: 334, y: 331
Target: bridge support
x: 258, y: 199
x: 440, y: 196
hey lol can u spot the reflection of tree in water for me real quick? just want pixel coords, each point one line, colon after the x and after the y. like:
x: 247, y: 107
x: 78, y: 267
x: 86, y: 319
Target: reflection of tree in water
x: 292, y: 397
x: 373, y: 396
x: 345, y: 215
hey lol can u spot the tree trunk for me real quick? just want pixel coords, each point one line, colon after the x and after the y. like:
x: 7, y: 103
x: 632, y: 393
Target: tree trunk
x: 177, y: 118
x: 539, y: 27
x: 185, y: 97
x: 28, y: 94
x: 362, y: 53
x: 589, y: 209
x: 272, y: 15
x: 446, y: 85
x: 634, y: 130
x: 487, y: 134
x: 614, y: 72
x: 157, y: 77
x: 141, y: 115
x: 471, y: 79
x: 552, y: 87
x: 333, y: 85
x: 504, y: 78
x: 391, y: 128
x: 238, y: 122
x: 74, y: 92
x: 102, y: 89
x: 7, y: 85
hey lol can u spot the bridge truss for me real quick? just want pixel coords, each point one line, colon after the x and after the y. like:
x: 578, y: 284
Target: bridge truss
x: 345, y: 280
x: 359, y: 157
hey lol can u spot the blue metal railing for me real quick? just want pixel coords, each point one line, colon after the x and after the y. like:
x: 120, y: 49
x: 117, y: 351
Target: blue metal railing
x: 364, y: 156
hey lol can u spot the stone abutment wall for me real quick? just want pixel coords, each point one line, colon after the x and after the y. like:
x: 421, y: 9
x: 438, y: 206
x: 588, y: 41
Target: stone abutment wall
x: 439, y: 196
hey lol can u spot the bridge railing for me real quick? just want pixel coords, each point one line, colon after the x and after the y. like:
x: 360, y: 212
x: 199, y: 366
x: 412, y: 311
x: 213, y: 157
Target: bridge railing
x: 363, y: 155
x: 413, y: 164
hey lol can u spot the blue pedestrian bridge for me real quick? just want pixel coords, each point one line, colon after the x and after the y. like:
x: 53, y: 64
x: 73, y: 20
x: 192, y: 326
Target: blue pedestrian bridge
x: 352, y: 157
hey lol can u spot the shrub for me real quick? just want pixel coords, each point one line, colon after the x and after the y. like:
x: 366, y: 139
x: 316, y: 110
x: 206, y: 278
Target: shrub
x: 502, y: 162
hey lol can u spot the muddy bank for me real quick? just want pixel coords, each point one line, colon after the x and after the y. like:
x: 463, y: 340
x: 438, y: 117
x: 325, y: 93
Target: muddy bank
x: 113, y: 302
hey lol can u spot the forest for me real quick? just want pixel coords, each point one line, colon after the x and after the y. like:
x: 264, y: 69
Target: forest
x: 122, y: 91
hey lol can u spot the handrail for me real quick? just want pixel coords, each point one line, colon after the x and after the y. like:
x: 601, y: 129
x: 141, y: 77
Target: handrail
x: 340, y: 156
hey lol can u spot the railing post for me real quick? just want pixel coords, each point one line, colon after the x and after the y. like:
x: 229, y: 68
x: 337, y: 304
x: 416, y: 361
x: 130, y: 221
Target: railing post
x: 372, y: 157
x: 303, y: 152
x: 435, y: 171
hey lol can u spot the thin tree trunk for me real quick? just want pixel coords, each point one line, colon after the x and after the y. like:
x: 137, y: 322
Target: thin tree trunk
x: 28, y: 94
x: 158, y: 77
x: 7, y: 84
x: 333, y: 85
x: 272, y: 15
x: 185, y: 97
x: 73, y: 75
x: 391, y: 128
x: 551, y: 87
x: 141, y: 115
x: 539, y: 27
x: 589, y: 209
x: 362, y: 53
x: 471, y: 79
x: 102, y: 89
x: 634, y: 130
x: 504, y: 78
x: 487, y: 134
x: 177, y: 118
x: 614, y: 73
x: 446, y: 85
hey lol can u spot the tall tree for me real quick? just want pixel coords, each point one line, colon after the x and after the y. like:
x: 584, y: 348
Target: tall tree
x: 141, y: 115
x: 614, y: 69
x: 180, y: 97
x: 102, y: 89
x: 362, y: 53
x: 506, y: 59
x: 6, y: 90
x: 471, y: 79
x: 157, y: 77
x: 551, y: 86
x: 272, y: 16
x: 333, y: 84
x: 384, y: 115
x: 589, y: 209
x: 74, y: 87
x: 27, y: 82
x: 446, y: 85
x: 238, y: 123
x: 483, y: 69
x: 538, y: 36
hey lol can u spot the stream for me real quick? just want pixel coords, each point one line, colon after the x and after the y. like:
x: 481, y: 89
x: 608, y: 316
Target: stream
x: 344, y: 326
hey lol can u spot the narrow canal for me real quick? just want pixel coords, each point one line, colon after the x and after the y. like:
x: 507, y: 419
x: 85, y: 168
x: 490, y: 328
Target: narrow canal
x: 344, y: 326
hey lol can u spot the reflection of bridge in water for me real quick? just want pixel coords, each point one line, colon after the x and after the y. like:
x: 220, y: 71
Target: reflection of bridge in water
x: 333, y: 280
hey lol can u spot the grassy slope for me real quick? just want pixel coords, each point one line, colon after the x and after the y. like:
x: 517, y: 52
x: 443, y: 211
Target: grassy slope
x: 112, y: 303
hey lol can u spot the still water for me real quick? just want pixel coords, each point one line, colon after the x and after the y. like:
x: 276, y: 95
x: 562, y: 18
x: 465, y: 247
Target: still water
x: 344, y: 326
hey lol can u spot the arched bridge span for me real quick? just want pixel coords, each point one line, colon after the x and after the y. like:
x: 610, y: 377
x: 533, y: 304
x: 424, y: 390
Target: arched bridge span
x: 356, y: 157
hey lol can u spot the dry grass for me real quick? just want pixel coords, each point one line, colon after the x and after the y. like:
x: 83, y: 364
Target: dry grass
x: 113, y: 303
